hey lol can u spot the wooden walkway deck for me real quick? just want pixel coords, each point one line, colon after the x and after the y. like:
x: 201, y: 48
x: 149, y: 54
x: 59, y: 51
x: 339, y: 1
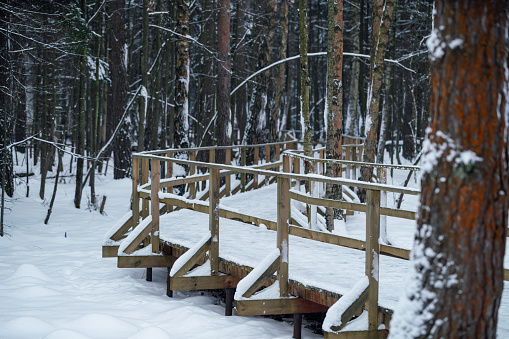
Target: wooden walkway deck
x: 312, y: 269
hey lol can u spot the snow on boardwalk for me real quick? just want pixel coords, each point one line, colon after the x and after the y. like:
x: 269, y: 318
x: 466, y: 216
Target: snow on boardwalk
x: 312, y: 263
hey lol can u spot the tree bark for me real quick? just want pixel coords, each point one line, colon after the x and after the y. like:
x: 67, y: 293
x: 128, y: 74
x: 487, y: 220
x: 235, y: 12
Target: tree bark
x: 144, y: 79
x: 181, y: 124
x: 118, y: 67
x: 223, y: 122
x: 379, y: 38
x: 352, y: 113
x: 304, y: 81
x: 334, y: 103
x: 280, y: 72
x: 457, y: 263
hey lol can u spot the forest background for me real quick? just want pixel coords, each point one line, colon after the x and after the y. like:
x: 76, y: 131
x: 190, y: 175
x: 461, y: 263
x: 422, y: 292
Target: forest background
x: 100, y: 79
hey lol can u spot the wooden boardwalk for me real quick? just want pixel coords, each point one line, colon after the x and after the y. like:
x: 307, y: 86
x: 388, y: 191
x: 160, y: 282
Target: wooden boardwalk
x: 227, y: 247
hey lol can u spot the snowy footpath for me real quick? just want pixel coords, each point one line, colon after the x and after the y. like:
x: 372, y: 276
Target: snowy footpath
x: 54, y: 283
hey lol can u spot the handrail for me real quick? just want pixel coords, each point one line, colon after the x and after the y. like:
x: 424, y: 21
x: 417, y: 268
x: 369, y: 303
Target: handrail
x: 313, y: 177
x: 295, y: 154
x: 203, y: 148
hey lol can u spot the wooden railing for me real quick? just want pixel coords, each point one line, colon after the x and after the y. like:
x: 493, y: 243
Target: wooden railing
x: 150, y: 190
x: 145, y: 234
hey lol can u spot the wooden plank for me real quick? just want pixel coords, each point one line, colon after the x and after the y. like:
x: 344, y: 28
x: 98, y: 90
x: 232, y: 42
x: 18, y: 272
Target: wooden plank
x: 203, y: 283
x: 193, y: 260
x: 192, y: 171
x: 109, y: 251
x: 271, y: 225
x: 255, y: 162
x: 372, y: 254
x: 214, y: 220
x: 228, y: 179
x: 144, y: 180
x: 267, y: 161
x: 154, y: 192
x: 123, y: 229
x: 262, y: 279
x: 136, y: 197
x: 506, y: 274
x: 351, y: 206
x: 133, y: 246
x: 277, y: 306
x: 133, y: 261
x: 376, y: 334
x: 283, y: 218
x: 351, y: 311
x: 327, y: 238
x: 243, y: 163
x: 169, y: 174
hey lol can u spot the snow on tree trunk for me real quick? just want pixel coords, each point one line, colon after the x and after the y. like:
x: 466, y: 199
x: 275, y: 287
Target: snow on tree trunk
x: 181, y: 124
x: 305, y: 82
x: 334, y: 103
x: 456, y: 279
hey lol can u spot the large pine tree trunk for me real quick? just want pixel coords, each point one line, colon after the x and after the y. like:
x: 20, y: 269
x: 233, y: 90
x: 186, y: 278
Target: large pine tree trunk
x: 121, y: 144
x: 457, y: 262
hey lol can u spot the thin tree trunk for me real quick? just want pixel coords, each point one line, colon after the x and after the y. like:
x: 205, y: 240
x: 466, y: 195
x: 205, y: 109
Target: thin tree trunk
x: 181, y: 125
x: 50, y: 209
x: 379, y: 38
x: 457, y: 272
x: 334, y: 104
x: 305, y: 83
x: 144, y: 78
x: 223, y: 122
x: 275, y: 125
x: 117, y: 57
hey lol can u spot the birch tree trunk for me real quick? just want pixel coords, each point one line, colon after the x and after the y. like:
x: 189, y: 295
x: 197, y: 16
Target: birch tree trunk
x: 181, y: 124
x: 144, y: 78
x: 457, y: 272
x: 280, y: 72
x: 334, y: 103
x: 379, y: 38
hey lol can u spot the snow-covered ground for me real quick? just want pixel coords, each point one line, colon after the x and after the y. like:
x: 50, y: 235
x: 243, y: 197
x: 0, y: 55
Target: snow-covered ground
x: 54, y: 283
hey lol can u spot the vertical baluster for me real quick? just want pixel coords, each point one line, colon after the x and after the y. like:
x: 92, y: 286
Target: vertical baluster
x: 372, y: 254
x: 255, y: 162
x: 214, y: 220
x: 192, y: 171
x: 283, y: 218
x: 228, y: 179
x: 154, y: 197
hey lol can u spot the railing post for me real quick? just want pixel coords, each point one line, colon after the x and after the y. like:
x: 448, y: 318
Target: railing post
x: 278, y: 154
x: 372, y: 254
x: 136, y: 195
x: 214, y: 220
x: 144, y: 180
x: 255, y: 162
x: 283, y: 219
x: 267, y: 160
x: 192, y: 171
x: 243, y: 163
x: 228, y: 179
x: 169, y: 174
x: 154, y: 199
x: 296, y: 170
x: 382, y: 176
